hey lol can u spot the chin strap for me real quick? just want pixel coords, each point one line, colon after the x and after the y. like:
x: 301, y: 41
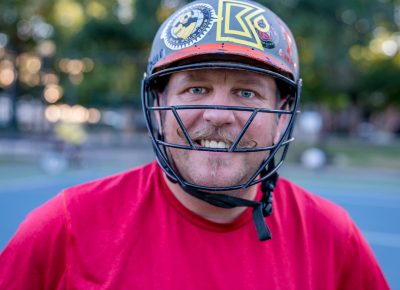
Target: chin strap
x: 261, y: 209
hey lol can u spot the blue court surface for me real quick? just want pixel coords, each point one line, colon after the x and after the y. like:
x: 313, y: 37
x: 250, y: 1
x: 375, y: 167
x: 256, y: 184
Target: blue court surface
x: 372, y: 197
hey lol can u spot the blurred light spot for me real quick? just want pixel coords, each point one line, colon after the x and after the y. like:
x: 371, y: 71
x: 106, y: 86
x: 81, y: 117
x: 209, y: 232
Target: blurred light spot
x: 313, y: 158
x: 46, y: 48
x: 7, y: 73
x: 53, y: 93
x: 52, y: 113
x: 63, y: 64
x: 125, y: 12
x: 88, y: 64
x: 375, y: 46
x: 29, y: 68
x: 80, y: 113
x: 75, y: 66
x: 3, y: 40
x: 76, y: 114
x: 41, y: 29
x: 66, y: 113
x: 50, y: 79
x: 349, y: 16
x: 69, y: 14
x: 94, y: 116
x: 96, y: 10
x: 7, y: 77
x: 380, y: 31
x: 389, y: 47
x: 33, y: 64
x: 29, y: 79
x: 310, y: 122
x: 6, y: 64
x: 71, y: 133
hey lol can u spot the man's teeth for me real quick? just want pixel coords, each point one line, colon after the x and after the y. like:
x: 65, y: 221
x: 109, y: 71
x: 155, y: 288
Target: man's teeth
x: 214, y: 144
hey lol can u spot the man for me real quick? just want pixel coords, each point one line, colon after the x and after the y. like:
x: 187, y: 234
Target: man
x: 220, y: 97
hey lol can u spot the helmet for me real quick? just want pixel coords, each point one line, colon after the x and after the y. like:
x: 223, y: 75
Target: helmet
x: 240, y: 28
x: 224, y: 34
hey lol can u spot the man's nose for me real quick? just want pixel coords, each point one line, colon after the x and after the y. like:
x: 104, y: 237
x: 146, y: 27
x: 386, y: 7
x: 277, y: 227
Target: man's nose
x: 218, y: 117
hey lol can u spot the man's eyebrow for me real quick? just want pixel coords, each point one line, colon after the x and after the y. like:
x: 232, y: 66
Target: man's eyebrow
x: 251, y: 82
x: 257, y: 83
x: 193, y: 76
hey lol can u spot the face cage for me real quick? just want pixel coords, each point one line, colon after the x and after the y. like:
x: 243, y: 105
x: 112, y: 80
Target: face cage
x: 150, y: 94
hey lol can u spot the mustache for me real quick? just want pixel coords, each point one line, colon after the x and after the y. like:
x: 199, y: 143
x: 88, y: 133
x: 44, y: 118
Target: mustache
x: 219, y: 133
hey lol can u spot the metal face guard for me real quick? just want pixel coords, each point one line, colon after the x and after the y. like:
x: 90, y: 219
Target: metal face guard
x: 150, y: 101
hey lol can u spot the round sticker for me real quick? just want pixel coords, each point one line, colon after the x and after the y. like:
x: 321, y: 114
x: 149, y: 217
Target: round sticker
x: 267, y: 34
x: 189, y: 26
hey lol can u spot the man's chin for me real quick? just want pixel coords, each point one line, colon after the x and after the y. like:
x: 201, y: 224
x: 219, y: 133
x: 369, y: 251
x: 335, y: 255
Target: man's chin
x: 211, y: 172
x: 219, y: 180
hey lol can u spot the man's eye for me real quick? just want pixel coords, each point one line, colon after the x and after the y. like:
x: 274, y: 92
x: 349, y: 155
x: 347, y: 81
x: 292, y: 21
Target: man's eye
x: 197, y: 90
x: 246, y: 94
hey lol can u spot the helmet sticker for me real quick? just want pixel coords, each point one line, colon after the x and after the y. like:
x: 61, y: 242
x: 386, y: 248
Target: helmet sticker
x: 189, y: 26
x: 244, y: 23
x: 287, y: 55
x: 270, y: 38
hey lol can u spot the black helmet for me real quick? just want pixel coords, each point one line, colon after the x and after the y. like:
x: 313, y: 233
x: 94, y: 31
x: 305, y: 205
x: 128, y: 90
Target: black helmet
x: 224, y: 34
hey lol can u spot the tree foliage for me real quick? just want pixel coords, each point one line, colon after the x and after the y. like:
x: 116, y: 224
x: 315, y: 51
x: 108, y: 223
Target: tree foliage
x: 349, y: 49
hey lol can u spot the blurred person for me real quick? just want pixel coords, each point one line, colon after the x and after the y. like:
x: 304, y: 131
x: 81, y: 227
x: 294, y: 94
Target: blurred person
x: 220, y: 98
x: 72, y: 136
x: 65, y: 148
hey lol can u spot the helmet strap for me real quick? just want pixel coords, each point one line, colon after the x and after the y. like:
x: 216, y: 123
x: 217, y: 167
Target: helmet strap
x: 264, y: 209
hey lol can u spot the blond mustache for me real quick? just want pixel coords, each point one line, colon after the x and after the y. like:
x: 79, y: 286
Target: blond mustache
x: 213, y: 132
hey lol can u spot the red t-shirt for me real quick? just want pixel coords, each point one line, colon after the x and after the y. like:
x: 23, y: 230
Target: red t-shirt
x: 128, y: 231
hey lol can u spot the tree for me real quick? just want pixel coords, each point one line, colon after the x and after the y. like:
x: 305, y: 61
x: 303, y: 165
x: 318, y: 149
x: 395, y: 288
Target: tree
x: 349, y: 50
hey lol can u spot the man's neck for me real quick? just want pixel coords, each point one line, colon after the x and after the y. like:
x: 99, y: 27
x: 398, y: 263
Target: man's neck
x: 206, y: 210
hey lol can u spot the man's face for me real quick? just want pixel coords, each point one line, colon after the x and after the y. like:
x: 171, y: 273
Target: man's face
x: 219, y: 128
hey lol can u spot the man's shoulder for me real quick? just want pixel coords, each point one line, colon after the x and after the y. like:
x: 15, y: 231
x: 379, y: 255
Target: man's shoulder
x: 132, y: 180
x: 316, y: 211
x: 292, y: 191
x: 102, y: 191
x: 328, y: 236
x: 112, y: 193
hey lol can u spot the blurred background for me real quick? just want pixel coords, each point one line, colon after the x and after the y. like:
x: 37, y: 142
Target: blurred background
x: 70, y: 74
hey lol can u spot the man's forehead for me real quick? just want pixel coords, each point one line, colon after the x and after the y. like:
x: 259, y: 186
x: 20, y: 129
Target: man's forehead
x: 211, y: 74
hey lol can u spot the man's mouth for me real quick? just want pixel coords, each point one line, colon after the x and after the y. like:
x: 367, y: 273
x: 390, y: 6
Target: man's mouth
x: 214, y: 144
x: 218, y: 140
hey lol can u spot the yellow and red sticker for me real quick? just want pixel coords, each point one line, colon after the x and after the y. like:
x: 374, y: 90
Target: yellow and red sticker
x: 244, y: 23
